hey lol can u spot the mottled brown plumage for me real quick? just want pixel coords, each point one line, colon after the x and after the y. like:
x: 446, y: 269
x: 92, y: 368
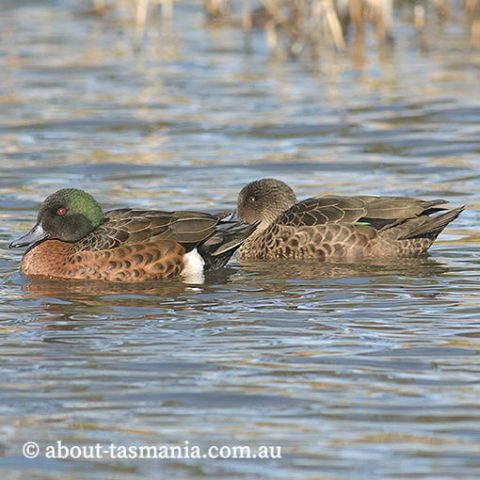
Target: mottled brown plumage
x: 126, y: 245
x: 127, y: 263
x: 331, y: 227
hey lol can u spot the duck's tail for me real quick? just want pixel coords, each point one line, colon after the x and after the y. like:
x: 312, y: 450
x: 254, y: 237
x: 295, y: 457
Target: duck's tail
x: 217, y: 249
x: 429, y: 227
x: 414, y: 236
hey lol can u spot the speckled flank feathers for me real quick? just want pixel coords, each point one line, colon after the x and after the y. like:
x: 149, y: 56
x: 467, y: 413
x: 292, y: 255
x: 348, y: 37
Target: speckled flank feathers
x: 332, y: 227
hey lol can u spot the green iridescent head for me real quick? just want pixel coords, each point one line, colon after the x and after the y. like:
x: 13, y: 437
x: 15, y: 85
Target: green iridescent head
x: 68, y: 215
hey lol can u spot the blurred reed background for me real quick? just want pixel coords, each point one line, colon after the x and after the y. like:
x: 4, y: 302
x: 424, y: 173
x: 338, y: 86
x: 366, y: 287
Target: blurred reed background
x: 359, y: 372
x: 293, y: 28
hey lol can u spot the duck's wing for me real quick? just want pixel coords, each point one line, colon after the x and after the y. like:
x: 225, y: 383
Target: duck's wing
x: 377, y: 212
x: 130, y: 226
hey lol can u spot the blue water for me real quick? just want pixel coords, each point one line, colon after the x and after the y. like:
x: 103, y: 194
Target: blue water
x: 355, y: 371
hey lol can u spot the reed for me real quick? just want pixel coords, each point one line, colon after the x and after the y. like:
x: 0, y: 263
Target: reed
x: 472, y: 12
x: 293, y: 27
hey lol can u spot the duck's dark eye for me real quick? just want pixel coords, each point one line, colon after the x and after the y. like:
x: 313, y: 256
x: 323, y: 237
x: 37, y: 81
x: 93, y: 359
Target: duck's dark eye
x: 61, y: 211
x: 252, y: 199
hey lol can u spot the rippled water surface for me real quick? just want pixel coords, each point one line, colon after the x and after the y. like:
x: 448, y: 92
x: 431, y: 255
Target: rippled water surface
x: 356, y: 371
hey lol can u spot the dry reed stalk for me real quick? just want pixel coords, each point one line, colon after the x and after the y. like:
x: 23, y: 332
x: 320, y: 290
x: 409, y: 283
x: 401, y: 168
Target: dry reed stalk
x: 271, y: 36
x: 356, y: 10
x: 247, y: 22
x: 472, y: 12
x: 381, y: 12
x: 442, y: 8
x: 141, y: 13
x: 217, y: 9
x: 333, y: 24
x: 301, y: 24
x: 140, y: 20
x: 274, y: 18
x: 99, y: 6
x: 419, y: 18
x: 294, y: 26
x: 167, y: 9
x: 142, y: 8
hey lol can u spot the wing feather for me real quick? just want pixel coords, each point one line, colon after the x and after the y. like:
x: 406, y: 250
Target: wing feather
x: 377, y: 211
x: 133, y: 226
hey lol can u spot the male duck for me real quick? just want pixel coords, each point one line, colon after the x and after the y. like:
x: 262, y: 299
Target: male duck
x: 332, y: 227
x: 73, y: 239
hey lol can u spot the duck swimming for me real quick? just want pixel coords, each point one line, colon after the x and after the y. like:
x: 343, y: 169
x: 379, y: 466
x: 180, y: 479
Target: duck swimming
x: 74, y: 239
x: 333, y: 227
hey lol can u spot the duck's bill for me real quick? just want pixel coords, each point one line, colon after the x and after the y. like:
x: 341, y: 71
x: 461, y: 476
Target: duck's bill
x: 36, y: 234
x: 231, y: 217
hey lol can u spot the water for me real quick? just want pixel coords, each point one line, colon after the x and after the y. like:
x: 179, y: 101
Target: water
x: 356, y: 371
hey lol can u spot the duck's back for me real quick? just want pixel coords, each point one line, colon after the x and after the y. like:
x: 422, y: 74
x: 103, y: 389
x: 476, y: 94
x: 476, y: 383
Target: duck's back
x: 368, y: 209
x: 131, y: 227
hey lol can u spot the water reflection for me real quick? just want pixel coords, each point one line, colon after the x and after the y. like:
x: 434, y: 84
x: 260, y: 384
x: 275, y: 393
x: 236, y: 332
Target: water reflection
x: 310, y: 270
x: 360, y: 371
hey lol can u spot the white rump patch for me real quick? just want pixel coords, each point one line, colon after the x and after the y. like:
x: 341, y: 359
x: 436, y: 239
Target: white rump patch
x: 193, y: 269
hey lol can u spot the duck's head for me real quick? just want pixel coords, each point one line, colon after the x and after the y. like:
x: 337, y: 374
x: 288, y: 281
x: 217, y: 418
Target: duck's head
x: 68, y: 215
x: 263, y: 201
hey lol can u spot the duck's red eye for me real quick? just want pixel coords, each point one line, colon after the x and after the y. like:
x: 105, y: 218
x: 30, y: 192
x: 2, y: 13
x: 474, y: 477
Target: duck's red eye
x: 61, y: 211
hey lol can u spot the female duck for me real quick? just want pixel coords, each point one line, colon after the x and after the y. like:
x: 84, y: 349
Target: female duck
x: 331, y: 227
x: 73, y: 239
